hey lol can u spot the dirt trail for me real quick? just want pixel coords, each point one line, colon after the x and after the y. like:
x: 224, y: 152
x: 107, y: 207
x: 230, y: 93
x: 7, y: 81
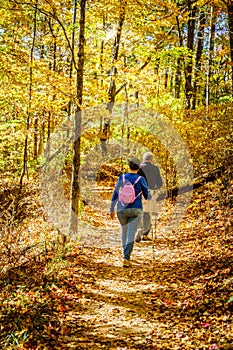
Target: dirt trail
x: 173, y: 297
x: 177, y: 294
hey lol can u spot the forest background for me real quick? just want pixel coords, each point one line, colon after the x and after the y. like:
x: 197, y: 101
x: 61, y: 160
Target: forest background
x: 109, y: 74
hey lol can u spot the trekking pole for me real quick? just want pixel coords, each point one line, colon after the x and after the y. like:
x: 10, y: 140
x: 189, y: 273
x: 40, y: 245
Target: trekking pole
x: 153, y: 234
x: 154, y: 213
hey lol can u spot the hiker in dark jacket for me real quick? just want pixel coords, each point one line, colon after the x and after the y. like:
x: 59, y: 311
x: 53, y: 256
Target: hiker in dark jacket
x: 129, y: 215
x: 153, y: 178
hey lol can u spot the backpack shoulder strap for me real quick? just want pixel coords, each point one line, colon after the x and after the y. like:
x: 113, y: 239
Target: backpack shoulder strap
x: 136, y: 181
x: 139, y: 177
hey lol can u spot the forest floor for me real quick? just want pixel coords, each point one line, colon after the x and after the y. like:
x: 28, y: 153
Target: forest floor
x: 178, y: 294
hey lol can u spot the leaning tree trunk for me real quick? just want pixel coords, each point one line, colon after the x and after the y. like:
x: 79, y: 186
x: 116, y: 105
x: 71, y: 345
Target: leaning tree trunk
x: 75, y: 187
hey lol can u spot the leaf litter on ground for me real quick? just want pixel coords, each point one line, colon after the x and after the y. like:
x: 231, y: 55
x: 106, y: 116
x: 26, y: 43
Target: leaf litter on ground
x: 177, y: 295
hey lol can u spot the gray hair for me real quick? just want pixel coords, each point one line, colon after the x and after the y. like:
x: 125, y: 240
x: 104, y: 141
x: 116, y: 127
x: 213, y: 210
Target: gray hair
x: 148, y: 156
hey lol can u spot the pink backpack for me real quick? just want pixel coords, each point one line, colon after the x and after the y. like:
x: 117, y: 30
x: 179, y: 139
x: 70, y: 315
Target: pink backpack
x: 127, y: 191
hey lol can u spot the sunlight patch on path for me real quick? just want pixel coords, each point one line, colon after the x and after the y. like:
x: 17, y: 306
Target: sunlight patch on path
x: 128, y: 287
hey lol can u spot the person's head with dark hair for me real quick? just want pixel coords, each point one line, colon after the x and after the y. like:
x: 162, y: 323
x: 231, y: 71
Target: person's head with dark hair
x: 134, y: 163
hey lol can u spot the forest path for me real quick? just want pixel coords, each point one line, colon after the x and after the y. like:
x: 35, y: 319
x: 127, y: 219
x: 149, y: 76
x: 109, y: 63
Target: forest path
x: 176, y: 295
x: 162, y: 302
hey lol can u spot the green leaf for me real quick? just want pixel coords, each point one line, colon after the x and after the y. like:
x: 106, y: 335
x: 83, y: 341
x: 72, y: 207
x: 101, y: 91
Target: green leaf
x: 230, y: 300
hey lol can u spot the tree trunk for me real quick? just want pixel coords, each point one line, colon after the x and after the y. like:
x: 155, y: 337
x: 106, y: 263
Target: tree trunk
x: 230, y: 25
x: 101, y: 57
x: 35, y: 146
x: 41, y: 142
x: 166, y: 79
x: 25, y: 156
x: 115, y: 50
x: 72, y: 54
x: 177, y: 83
x: 112, y: 92
x: 52, y: 66
x: 200, y: 41
x: 189, y: 61
x: 180, y: 63
x: 210, y: 55
x: 75, y: 188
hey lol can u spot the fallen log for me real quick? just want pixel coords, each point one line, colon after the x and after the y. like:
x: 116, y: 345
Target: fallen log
x: 196, y: 183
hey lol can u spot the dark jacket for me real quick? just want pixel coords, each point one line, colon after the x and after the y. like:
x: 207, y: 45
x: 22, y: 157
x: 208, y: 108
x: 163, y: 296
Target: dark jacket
x: 152, y: 175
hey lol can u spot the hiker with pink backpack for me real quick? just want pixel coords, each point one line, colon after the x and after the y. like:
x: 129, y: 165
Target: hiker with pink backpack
x: 127, y: 195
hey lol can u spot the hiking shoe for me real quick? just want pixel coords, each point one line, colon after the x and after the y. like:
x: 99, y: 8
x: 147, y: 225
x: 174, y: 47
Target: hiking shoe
x: 146, y: 238
x: 126, y: 263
